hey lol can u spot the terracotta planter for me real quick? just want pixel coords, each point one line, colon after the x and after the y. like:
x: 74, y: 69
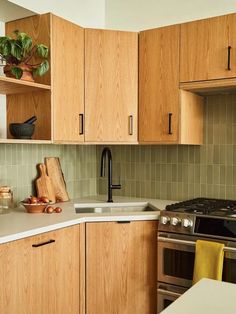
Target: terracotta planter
x: 27, y: 72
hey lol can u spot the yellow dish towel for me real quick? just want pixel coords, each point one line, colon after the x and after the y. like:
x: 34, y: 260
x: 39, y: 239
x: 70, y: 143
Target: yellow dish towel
x: 209, y: 259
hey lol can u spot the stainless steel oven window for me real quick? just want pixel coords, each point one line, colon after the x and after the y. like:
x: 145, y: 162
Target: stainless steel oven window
x: 167, y: 294
x: 176, y: 259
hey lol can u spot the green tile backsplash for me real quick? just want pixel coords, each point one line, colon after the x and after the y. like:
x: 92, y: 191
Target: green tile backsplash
x: 179, y: 171
x: 18, y: 167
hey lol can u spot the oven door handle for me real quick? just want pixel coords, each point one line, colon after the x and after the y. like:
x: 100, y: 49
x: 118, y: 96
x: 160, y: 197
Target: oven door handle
x: 191, y: 243
x: 168, y: 293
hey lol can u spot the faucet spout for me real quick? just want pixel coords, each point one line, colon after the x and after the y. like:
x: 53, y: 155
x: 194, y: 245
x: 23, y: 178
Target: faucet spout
x: 106, y: 153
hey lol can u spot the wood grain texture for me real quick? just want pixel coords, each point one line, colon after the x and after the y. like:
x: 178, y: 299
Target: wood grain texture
x: 58, y: 182
x: 9, y: 86
x: 23, y: 106
x: 44, y: 185
x: 158, y: 84
x: 204, y: 49
x: 67, y: 80
x: 43, y: 279
x: 121, y: 263
x: 20, y: 107
x: 111, y: 82
x: 191, y: 118
x: 210, y: 87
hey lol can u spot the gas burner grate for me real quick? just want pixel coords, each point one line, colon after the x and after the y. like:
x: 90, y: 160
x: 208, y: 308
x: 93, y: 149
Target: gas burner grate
x: 205, y: 206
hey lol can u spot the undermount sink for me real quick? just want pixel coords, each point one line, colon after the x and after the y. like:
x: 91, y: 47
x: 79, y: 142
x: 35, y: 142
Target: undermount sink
x: 112, y: 208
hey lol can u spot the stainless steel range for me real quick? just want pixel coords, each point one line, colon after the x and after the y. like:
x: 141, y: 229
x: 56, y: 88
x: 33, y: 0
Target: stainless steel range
x: 180, y: 225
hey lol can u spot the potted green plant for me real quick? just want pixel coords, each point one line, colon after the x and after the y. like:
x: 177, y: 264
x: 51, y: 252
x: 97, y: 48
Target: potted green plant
x: 21, y: 59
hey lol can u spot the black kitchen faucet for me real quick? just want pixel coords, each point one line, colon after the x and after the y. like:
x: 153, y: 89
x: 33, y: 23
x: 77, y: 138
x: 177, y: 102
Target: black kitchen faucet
x: 107, y: 153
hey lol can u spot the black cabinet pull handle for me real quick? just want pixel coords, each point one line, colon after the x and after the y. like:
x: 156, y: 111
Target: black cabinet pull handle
x: 229, y: 61
x: 43, y: 243
x: 124, y: 222
x: 170, y: 123
x: 130, y: 125
x: 81, y: 124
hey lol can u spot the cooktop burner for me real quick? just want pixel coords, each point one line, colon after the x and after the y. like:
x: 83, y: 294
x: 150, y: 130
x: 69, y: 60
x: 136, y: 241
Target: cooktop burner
x: 205, y: 206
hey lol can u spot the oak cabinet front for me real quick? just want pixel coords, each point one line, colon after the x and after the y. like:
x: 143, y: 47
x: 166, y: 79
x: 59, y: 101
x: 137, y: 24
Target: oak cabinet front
x: 166, y: 113
x: 41, y: 274
x: 121, y: 261
x: 207, y: 49
x: 111, y: 86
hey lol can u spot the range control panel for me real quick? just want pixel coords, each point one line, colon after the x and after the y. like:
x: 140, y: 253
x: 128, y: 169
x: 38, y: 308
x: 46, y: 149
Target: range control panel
x: 176, y: 222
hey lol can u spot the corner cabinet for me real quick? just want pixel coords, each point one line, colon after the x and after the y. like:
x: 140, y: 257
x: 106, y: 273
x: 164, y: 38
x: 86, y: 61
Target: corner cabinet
x: 43, y: 273
x: 111, y: 86
x: 59, y: 111
x: 208, y: 49
x: 121, y: 267
x: 166, y: 114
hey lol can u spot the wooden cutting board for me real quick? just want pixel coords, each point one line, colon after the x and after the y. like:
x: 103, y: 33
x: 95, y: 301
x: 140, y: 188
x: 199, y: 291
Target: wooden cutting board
x: 56, y: 175
x: 44, y: 185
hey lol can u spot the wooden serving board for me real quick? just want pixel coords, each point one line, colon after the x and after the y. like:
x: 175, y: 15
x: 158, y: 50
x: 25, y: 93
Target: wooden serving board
x: 44, y: 185
x: 58, y: 182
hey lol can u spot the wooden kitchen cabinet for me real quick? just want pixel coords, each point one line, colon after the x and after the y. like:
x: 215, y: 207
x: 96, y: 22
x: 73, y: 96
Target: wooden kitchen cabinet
x: 205, y: 47
x: 121, y: 272
x: 166, y: 113
x: 37, y: 278
x: 111, y: 86
x: 59, y: 111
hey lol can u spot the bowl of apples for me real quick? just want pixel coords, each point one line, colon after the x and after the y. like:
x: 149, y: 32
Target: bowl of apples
x: 35, y: 204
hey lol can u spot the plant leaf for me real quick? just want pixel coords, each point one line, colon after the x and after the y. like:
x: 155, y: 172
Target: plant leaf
x: 24, y: 41
x: 41, y: 69
x: 16, y: 49
x: 42, y: 51
x: 17, y: 72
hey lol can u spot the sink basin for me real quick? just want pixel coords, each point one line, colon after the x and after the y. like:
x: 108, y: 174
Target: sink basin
x: 105, y: 208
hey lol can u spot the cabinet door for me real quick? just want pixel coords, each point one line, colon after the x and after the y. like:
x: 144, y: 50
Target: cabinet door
x: 204, y: 49
x: 37, y: 278
x: 158, y: 85
x: 121, y: 263
x: 111, y: 79
x: 67, y: 80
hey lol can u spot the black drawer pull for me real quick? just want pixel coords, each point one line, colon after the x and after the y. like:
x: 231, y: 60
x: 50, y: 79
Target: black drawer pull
x: 170, y: 122
x: 124, y: 222
x: 43, y: 243
x: 81, y: 124
x: 131, y: 125
x: 229, y: 61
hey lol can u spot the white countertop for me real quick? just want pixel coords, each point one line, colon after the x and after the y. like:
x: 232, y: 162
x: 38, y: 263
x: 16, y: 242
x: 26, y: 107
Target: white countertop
x: 206, y: 297
x: 18, y: 224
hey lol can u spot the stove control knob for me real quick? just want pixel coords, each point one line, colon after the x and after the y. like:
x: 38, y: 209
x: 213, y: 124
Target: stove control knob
x: 175, y: 221
x: 164, y: 220
x: 187, y: 223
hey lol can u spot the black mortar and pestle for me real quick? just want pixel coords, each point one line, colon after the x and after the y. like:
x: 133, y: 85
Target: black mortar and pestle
x: 23, y: 130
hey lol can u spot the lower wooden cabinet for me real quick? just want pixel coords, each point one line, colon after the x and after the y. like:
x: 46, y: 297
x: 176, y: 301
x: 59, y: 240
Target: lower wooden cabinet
x: 121, y: 267
x: 41, y: 274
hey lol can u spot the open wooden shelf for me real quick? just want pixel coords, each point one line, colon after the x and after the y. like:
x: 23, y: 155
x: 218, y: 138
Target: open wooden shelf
x: 210, y: 87
x: 18, y: 141
x: 10, y: 86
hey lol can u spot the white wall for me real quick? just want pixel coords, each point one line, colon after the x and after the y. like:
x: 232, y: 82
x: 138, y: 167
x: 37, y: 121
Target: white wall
x: 87, y: 13
x: 2, y: 98
x: 138, y: 15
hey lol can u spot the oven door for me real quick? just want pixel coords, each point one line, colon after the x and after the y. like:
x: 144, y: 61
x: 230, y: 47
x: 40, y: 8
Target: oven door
x: 167, y: 294
x: 176, y: 254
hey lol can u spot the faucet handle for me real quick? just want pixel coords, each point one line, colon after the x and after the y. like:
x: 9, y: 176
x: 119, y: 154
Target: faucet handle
x: 116, y: 186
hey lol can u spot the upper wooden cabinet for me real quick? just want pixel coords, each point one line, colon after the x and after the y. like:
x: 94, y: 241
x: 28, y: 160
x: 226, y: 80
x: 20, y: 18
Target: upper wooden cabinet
x: 67, y: 80
x: 59, y: 111
x: 208, y: 49
x: 111, y: 86
x: 121, y: 272
x: 166, y: 114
